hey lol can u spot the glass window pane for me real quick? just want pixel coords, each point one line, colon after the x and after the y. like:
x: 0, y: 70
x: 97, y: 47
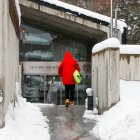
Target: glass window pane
x: 39, y: 45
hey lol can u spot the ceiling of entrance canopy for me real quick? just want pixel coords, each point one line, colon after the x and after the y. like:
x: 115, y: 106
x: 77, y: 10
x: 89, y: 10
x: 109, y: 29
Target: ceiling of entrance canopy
x: 66, y: 27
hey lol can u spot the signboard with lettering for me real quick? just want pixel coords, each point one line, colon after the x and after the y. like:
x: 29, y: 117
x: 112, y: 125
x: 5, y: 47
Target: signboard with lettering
x: 50, y: 68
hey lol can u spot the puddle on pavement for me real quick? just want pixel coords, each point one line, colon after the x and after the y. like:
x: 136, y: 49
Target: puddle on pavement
x: 67, y: 123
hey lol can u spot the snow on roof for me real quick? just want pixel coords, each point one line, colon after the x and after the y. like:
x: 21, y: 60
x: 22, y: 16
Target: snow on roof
x: 81, y: 11
x: 129, y: 49
x: 115, y: 43
x: 108, y: 43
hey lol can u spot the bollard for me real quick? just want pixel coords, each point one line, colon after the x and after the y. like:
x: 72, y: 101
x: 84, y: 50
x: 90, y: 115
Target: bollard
x: 89, y: 92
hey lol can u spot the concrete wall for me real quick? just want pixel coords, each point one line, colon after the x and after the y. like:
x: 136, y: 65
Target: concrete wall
x: 109, y: 65
x: 130, y: 67
x: 105, y: 77
x: 9, y: 58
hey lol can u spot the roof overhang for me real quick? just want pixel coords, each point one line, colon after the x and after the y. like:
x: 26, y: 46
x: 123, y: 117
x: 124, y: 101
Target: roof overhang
x: 62, y: 22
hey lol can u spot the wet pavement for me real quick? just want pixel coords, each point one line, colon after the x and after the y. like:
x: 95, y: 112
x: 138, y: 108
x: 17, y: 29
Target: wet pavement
x: 66, y: 123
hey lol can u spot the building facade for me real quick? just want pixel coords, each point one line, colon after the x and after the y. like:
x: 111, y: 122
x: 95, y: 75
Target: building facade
x: 48, y: 30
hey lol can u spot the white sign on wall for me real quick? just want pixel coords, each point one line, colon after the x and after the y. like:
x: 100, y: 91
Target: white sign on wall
x: 50, y: 68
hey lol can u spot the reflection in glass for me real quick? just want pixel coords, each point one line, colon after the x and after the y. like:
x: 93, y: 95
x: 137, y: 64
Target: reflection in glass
x: 39, y: 45
x: 36, y: 89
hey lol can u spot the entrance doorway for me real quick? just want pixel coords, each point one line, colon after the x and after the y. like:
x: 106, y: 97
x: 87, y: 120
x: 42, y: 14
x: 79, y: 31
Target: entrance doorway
x: 41, y: 52
x: 36, y: 89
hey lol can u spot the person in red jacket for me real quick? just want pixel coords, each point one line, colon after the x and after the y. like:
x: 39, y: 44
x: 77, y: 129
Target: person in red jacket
x: 65, y: 70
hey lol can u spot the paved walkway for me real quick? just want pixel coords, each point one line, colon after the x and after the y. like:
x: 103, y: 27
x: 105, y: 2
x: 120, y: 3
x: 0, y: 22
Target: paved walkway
x: 67, y: 123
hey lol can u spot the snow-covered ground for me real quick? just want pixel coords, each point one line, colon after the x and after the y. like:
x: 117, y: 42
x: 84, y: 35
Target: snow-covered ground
x: 121, y: 122
x: 24, y: 122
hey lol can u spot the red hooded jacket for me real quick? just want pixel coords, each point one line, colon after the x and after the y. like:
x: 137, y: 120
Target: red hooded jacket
x: 67, y: 67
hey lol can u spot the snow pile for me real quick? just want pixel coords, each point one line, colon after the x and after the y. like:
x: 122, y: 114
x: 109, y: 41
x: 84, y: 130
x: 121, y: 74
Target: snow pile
x: 89, y: 91
x: 24, y: 122
x: 91, y: 115
x: 120, y: 24
x: 129, y: 49
x: 108, y: 43
x: 121, y: 122
x: 115, y: 43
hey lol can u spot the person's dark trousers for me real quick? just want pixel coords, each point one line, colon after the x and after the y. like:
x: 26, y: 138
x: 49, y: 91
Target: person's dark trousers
x: 69, y: 91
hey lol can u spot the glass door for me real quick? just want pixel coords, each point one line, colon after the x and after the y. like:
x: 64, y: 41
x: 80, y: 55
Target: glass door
x: 49, y: 89
x: 42, y: 88
x: 35, y: 88
x: 53, y: 84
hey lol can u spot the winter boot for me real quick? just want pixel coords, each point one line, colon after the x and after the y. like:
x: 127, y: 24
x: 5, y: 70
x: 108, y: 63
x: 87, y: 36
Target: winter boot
x: 67, y: 102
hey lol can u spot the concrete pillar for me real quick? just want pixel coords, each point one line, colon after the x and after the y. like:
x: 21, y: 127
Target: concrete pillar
x: 105, y: 74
